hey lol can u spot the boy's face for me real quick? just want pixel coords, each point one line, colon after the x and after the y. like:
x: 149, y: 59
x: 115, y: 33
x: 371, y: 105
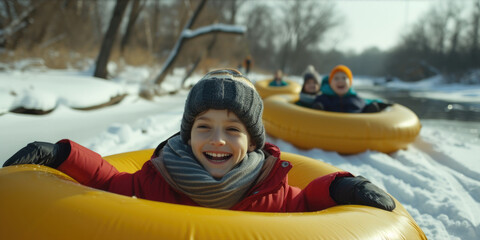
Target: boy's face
x: 278, y: 74
x: 340, y: 83
x: 219, y: 141
x: 311, y: 86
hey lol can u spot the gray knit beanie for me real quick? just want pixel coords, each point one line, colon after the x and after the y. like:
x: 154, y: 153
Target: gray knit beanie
x: 226, y: 89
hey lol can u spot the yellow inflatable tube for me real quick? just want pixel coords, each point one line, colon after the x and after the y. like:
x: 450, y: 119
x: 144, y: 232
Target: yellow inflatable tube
x: 42, y: 203
x: 265, y: 91
x: 346, y: 133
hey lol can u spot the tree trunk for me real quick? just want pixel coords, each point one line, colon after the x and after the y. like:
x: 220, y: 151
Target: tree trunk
x: 450, y: 63
x: 170, y: 62
x: 9, y: 12
x: 149, y: 36
x: 4, y: 21
x: 134, y: 13
x: 474, y: 48
x: 155, y: 26
x: 234, y: 6
x: 109, y: 39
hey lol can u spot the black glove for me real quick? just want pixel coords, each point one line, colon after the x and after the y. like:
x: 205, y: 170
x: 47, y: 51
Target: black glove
x: 382, y: 105
x: 371, y: 108
x: 42, y: 153
x: 318, y: 106
x: 358, y: 190
x: 374, y: 107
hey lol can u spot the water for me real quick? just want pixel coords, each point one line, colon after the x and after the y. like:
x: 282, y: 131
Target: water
x: 426, y: 108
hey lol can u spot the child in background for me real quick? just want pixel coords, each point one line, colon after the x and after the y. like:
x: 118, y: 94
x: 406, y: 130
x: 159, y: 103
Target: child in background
x: 248, y: 62
x: 338, y: 95
x: 219, y: 159
x: 278, y: 79
x: 310, y: 88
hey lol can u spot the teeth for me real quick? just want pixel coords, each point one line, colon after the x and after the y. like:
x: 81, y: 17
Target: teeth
x: 217, y: 155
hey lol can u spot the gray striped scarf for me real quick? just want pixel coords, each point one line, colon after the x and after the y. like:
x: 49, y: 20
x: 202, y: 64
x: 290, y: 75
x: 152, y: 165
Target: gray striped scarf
x: 182, y: 171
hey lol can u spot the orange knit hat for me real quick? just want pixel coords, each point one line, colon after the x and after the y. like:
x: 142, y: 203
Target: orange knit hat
x: 341, y: 68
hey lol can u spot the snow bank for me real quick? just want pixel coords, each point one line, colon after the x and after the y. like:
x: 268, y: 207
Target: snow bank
x: 44, y: 91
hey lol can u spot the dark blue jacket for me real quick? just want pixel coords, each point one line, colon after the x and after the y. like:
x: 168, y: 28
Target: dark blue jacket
x: 335, y: 103
x: 330, y: 101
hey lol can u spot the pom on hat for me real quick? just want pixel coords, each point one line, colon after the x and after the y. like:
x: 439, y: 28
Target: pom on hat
x: 307, y: 76
x: 341, y: 68
x: 225, y: 89
x: 310, y: 73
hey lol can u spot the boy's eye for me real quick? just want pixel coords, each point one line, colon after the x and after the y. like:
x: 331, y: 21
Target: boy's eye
x: 203, y: 126
x: 234, y: 129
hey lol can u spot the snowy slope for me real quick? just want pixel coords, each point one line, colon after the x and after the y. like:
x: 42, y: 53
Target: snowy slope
x: 437, y: 178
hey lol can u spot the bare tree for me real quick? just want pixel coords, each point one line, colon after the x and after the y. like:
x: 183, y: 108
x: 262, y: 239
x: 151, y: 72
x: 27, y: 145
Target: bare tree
x: 207, y: 30
x: 168, y: 65
x: 108, y: 40
x: 137, y: 6
x: 305, y: 25
x: 474, y: 44
x: 229, y: 7
x: 234, y: 6
x: 453, y: 55
x: 183, y: 38
x: 436, y: 44
x: 16, y: 22
x: 262, y: 36
x: 437, y: 23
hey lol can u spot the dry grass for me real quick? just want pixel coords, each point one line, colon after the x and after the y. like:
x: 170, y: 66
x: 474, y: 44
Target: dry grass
x: 61, y: 57
x: 57, y: 57
x: 134, y: 56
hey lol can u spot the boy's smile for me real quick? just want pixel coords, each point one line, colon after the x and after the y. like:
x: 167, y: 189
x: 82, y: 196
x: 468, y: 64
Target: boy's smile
x: 217, y: 157
x: 219, y: 141
x: 340, y: 83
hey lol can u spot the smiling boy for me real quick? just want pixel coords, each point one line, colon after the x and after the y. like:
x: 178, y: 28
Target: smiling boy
x: 220, y: 141
x: 340, y: 82
x: 338, y: 95
x: 219, y: 159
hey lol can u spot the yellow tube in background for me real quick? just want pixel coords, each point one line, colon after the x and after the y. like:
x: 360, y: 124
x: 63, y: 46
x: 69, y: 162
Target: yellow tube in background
x: 265, y: 91
x: 346, y: 133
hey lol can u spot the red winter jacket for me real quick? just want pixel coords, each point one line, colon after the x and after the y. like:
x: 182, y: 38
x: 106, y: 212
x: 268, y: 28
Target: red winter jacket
x: 271, y: 195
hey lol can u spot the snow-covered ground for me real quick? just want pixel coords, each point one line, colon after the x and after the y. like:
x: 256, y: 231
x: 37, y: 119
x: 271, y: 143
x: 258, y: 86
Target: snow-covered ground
x: 437, y: 178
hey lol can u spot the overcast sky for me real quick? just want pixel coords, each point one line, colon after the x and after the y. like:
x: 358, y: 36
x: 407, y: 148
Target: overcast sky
x: 377, y: 23
x: 365, y: 23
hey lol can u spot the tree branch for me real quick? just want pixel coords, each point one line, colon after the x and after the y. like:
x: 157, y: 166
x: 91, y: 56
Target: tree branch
x: 18, y: 23
x: 178, y: 45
